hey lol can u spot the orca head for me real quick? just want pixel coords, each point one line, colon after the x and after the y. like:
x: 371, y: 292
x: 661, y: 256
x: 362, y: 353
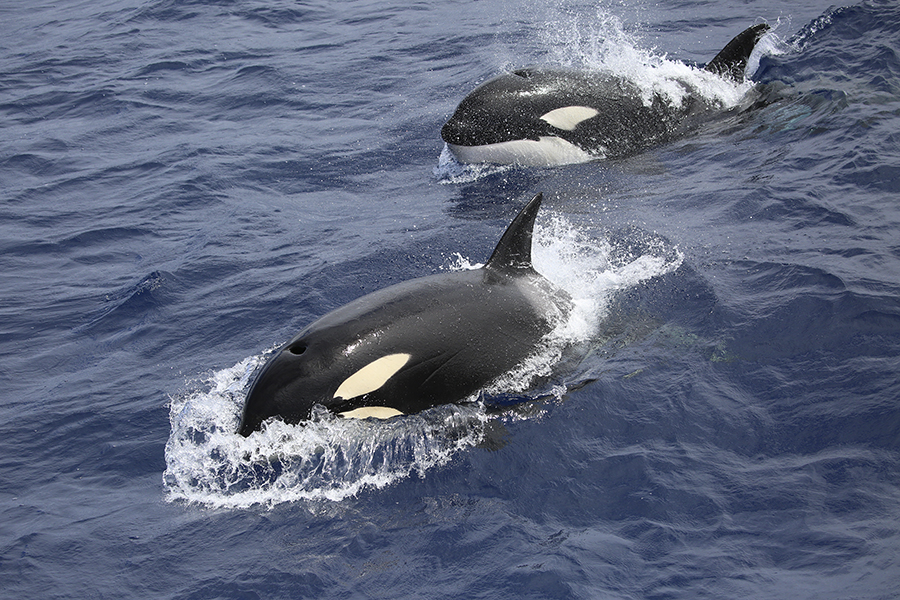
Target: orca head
x: 523, y: 105
x: 315, y: 368
x: 288, y: 386
x: 500, y: 110
x: 528, y: 117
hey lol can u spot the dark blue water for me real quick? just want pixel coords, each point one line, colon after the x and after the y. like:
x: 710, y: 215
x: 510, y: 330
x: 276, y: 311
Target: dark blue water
x: 187, y: 184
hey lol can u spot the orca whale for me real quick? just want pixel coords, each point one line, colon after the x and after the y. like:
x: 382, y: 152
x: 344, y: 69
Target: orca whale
x: 424, y: 342
x: 542, y: 117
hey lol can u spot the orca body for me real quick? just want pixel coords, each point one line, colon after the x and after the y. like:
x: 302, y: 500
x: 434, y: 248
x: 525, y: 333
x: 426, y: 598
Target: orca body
x: 541, y: 117
x: 424, y: 342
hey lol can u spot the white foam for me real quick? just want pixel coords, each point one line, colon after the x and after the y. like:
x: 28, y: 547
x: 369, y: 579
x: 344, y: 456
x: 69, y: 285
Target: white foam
x: 326, y: 459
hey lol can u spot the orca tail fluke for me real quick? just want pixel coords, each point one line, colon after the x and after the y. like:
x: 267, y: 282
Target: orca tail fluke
x: 732, y: 60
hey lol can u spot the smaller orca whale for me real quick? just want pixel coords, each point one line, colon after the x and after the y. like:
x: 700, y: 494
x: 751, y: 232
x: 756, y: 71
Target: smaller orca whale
x: 542, y: 117
x: 424, y: 342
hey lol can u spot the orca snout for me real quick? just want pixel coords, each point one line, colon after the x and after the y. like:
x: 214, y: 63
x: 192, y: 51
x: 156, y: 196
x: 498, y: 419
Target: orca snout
x: 280, y: 389
x: 249, y: 424
x: 455, y: 131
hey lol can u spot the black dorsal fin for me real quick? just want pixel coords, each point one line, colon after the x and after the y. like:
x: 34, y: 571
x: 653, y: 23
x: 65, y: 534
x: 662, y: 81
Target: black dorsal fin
x: 513, y: 252
x: 732, y: 60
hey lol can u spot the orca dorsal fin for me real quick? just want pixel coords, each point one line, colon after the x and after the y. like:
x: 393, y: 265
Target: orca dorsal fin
x: 732, y: 60
x: 513, y: 252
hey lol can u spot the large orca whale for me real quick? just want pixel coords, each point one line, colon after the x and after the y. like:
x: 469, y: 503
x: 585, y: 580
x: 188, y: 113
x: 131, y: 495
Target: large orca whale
x: 540, y: 117
x: 424, y: 342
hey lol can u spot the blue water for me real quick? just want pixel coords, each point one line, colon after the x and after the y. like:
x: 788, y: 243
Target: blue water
x: 185, y: 185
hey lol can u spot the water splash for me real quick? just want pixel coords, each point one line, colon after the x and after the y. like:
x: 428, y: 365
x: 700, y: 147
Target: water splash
x: 326, y: 459
x: 450, y: 171
x: 458, y: 262
x: 602, y: 44
x: 592, y: 272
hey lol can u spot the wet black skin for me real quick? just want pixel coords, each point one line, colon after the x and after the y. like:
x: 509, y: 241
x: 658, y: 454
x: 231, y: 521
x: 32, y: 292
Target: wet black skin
x: 510, y: 106
x: 462, y: 330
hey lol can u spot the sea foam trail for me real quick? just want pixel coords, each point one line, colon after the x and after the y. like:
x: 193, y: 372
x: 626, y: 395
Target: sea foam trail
x: 329, y: 458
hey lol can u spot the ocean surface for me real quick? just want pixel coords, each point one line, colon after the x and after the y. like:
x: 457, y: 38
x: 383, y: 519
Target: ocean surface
x: 184, y: 185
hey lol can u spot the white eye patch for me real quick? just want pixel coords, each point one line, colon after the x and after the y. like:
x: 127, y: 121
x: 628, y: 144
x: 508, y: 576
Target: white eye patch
x: 372, y: 376
x: 378, y: 412
x: 568, y: 117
